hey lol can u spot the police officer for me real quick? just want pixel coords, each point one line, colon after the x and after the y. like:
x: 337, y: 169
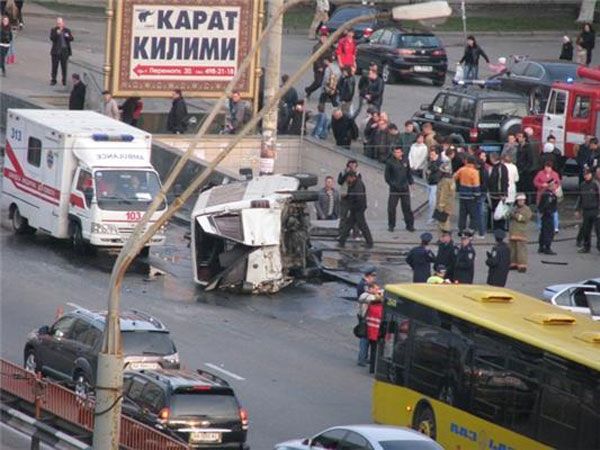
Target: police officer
x: 445, y: 254
x: 420, y: 258
x: 547, y: 207
x: 464, y: 268
x: 498, y: 260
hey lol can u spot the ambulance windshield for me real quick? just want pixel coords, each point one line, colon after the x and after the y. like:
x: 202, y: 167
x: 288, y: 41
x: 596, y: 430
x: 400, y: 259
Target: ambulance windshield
x: 121, y: 190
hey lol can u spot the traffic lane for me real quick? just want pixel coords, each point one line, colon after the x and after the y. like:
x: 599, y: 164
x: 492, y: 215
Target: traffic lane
x: 298, y: 376
x: 12, y: 439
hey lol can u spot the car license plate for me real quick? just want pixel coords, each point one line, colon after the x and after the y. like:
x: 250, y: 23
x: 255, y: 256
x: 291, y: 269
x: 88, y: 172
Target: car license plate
x: 143, y: 365
x: 205, y: 436
x: 423, y: 69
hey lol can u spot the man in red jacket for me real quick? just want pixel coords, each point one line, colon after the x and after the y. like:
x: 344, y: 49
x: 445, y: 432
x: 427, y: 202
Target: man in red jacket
x: 374, y: 315
x: 346, y: 50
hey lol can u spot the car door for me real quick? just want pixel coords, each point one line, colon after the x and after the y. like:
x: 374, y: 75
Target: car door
x: 152, y: 401
x: 366, y: 51
x: 449, y: 115
x: 555, y: 117
x: 132, y: 396
x: 74, y: 347
x: 434, y: 113
x: 51, y: 348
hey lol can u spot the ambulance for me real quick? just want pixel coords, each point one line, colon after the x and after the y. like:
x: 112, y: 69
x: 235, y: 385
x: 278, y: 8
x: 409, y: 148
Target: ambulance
x: 77, y: 175
x: 572, y: 113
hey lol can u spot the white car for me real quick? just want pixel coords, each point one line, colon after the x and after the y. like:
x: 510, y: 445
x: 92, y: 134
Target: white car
x: 364, y: 437
x: 582, y: 297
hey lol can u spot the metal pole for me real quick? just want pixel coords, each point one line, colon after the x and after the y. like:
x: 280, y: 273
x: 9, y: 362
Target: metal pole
x: 463, y: 10
x: 272, y: 77
x: 108, y: 51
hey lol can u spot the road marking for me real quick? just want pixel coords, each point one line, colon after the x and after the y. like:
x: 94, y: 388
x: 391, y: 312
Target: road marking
x: 226, y: 372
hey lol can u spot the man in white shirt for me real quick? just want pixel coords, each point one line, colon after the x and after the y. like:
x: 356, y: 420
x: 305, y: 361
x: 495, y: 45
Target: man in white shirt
x: 321, y: 16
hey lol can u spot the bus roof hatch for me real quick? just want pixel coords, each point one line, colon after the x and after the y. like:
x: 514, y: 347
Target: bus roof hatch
x: 490, y: 297
x: 551, y: 319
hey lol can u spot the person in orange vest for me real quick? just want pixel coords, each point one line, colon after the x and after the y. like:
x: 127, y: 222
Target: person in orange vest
x: 374, y: 315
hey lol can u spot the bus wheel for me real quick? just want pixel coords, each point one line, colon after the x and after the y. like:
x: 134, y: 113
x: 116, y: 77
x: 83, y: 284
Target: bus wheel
x: 424, y: 421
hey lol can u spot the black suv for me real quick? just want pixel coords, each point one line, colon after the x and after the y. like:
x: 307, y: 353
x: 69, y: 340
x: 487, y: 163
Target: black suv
x: 402, y: 54
x: 68, y: 350
x: 198, y: 408
x: 474, y: 115
x: 346, y: 13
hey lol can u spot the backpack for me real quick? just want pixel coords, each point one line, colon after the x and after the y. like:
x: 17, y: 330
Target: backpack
x: 331, y: 85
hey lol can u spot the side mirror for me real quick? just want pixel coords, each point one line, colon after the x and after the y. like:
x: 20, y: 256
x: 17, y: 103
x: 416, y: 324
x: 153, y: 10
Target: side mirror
x: 306, y: 441
x: 44, y: 330
x: 425, y: 107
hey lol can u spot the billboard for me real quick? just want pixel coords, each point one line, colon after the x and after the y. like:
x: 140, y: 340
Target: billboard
x: 192, y: 45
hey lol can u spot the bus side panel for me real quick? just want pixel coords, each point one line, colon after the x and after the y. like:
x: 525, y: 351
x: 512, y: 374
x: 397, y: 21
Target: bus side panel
x: 456, y: 429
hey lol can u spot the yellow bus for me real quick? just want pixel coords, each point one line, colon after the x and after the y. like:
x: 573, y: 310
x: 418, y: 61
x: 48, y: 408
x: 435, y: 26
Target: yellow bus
x: 476, y: 367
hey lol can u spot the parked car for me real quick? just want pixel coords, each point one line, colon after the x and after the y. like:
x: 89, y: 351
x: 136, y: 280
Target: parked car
x: 534, y: 79
x: 474, y: 115
x: 68, y: 350
x: 198, y: 408
x: 345, y: 13
x: 582, y: 297
x: 364, y: 437
x: 402, y: 54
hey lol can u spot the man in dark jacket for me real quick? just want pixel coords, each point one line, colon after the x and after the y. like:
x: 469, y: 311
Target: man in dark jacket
x: 77, y: 97
x: 345, y: 89
x: 446, y: 254
x: 374, y: 90
x: 497, y: 187
x: 498, y: 261
x: 177, y: 118
x: 344, y: 128
x: 357, y: 205
x: 471, y: 57
x: 369, y: 131
x: 399, y: 178
x: 381, y: 139
x: 464, y: 267
x: 588, y: 206
x: 420, y: 258
x: 547, y: 207
x: 60, y: 52
x: 319, y: 65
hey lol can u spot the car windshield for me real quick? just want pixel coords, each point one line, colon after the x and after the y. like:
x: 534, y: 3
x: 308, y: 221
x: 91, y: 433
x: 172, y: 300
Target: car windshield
x: 561, y: 71
x: 345, y: 14
x: 205, y: 403
x: 121, y: 190
x: 151, y: 343
x: 418, y: 41
x: 409, y: 445
x: 494, y: 109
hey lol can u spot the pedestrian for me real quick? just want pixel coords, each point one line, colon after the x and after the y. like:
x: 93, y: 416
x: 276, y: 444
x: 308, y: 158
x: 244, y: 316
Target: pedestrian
x: 374, y: 316
x: 322, y: 123
x: 513, y: 178
x: 547, y: 207
x: 369, y: 295
x: 19, y: 5
x: 464, y: 266
x: 420, y: 258
x: 446, y: 255
x: 320, y: 17
x: 369, y: 276
x: 417, y: 156
x: 319, y: 65
x: 344, y: 128
x: 399, y: 179
x: 470, y: 59
x: 393, y: 138
x: 357, y: 205
x: 497, y: 188
x: 371, y: 126
x: 587, y: 40
x: 351, y: 166
x: 469, y: 191
x: 381, y: 140
x: 6, y: 38
x: 541, y: 182
x: 290, y: 98
x: 588, y: 208
x: 566, y: 50
x: 551, y: 153
x: 408, y: 137
x: 330, y: 81
x: 483, y: 206
x: 298, y: 118
x: 519, y: 218
x: 345, y: 89
x: 374, y: 91
x: 109, y: 106
x: 346, y: 50
x: 528, y: 163
x: 60, y: 52
x: 445, y: 198
x: 439, y: 275
x: 77, y: 96
x: 580, y: 53
x: 498, y: 260
x: 177, y: 118
x: 430, y: 135
x: 239, y: 113
x: 328, y: 204
x: 131, y: 110
x: 510, y: 147
x: 583, y: 154
x: 432, y: 176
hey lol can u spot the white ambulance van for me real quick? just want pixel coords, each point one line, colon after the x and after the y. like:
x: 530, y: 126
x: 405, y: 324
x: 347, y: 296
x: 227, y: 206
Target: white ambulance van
x: 77, y: 175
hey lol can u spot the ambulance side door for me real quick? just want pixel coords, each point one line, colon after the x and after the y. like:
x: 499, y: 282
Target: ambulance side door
x: 51, y: 179
x: 80, y: 200
x: 555, y: 117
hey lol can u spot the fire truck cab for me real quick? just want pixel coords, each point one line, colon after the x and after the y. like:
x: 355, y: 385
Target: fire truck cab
x: 572, y: 113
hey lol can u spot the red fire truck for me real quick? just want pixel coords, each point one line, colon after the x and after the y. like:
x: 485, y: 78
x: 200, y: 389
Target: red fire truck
x: 572, y: 113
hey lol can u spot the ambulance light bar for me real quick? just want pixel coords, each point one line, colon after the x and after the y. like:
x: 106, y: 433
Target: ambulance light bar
x: 103, y: 137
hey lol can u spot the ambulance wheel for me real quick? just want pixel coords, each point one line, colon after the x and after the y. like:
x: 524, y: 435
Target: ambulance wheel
x: 19, y: 223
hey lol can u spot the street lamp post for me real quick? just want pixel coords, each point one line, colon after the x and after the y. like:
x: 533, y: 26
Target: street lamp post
x: 110, y: 364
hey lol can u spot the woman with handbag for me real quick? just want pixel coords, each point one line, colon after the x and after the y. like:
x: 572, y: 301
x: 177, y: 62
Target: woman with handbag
x: 374, y: 315
x: 360, y: 330
x: 445, y: 197
x: 5, y: 42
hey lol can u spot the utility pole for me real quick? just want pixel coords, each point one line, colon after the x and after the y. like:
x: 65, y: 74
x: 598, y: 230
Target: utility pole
x: 272, y: 76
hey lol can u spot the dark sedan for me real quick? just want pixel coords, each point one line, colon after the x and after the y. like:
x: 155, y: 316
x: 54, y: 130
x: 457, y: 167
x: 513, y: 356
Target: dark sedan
x: 534, y: 78
x: 402, y: 54
x: 345, y: 13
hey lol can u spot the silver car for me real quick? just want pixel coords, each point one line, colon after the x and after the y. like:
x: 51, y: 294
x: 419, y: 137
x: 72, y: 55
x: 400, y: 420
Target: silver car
x: 364, y: 437
x: 582, y: 297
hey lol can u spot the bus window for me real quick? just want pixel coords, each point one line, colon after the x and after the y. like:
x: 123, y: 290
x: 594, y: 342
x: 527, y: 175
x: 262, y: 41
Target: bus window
x: 589, y: 434
x: 392, y: 359
x: 429, y: 371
